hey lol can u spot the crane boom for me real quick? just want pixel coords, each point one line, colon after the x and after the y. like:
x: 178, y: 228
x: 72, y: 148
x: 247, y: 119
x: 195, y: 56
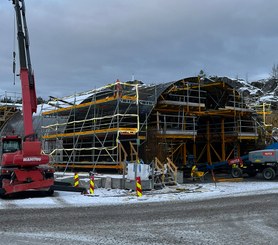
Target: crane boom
x: 29, y: 99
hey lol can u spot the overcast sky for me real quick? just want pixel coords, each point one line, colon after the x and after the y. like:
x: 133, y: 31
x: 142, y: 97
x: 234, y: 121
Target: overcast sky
x: 77, y: 45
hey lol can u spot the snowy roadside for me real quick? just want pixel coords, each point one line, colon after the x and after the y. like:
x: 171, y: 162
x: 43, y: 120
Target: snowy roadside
x: 186, y: 192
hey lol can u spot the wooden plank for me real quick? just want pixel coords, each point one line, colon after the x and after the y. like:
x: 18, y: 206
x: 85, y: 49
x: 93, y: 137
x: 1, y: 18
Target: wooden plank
x: 90, y: 132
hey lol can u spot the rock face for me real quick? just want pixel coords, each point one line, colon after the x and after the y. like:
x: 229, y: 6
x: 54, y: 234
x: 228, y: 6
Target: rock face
x: 269, y: 88
x: 256, y: 92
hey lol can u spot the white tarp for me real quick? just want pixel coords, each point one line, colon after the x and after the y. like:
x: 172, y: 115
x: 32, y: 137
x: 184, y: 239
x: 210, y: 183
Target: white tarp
x: 143, y: 171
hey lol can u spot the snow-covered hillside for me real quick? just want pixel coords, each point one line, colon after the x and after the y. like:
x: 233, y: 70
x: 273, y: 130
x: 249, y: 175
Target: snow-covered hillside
x: 256, y: 92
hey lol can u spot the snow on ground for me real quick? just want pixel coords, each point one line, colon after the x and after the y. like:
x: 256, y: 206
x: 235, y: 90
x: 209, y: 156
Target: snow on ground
x: 186, y: 192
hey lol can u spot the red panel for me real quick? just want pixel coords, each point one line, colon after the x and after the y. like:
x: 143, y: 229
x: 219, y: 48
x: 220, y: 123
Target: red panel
x: 24, y: 175
x: 8, y: 159
x: 30, y: 161
x: 235, y: 161
x: 12, y: 188
x: 31, y: 148
x: 268, y: 153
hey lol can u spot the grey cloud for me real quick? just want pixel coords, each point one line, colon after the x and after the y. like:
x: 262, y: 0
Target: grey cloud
x: 80, y: 45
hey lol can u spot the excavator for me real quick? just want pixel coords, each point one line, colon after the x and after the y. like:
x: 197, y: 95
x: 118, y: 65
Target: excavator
x: 24, y: 166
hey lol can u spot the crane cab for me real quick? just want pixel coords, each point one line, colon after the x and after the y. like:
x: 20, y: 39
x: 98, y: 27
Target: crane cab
x: 11, y: 144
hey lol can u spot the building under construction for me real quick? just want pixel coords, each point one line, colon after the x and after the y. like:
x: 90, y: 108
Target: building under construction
x: 130, y: 121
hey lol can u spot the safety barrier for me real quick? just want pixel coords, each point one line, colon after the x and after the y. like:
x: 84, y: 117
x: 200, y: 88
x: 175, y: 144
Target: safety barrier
x: 92, y: 184
x: 76, y: 180
x: 138, y: 187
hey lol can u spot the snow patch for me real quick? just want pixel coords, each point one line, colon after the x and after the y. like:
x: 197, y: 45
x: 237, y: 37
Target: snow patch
x: 184, y: 192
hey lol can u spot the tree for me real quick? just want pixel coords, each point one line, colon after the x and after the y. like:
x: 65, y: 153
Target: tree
x: 7, y: 100
x: 274, y: 72
x: 202, y: 74
x: 40, y: 100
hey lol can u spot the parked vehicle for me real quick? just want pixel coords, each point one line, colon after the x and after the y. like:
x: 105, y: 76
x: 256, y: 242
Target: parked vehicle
x: 260, y: 161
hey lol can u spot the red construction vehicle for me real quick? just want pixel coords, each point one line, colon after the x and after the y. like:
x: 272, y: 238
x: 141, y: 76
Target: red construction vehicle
x: 23, y: 165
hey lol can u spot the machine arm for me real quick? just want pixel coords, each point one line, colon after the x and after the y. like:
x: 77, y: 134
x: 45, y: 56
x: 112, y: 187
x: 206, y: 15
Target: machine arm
x: 29, y: 99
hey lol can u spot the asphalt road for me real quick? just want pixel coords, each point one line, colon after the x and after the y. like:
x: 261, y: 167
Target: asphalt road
x: 235, y: 220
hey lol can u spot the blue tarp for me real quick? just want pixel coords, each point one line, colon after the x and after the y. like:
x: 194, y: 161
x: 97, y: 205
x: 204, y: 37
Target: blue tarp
x: 272, y: 146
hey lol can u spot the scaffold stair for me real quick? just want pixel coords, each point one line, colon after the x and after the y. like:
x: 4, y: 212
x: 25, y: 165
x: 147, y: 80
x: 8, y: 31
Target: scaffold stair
x: 165, y: 173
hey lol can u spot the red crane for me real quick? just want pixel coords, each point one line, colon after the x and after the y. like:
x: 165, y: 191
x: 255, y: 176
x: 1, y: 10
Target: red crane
x: 23, y: 165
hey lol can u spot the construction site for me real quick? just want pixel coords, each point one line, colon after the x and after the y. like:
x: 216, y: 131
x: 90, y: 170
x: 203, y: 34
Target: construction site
x: 172, y: 159
x: 201, y: 120
x: 166, y: 132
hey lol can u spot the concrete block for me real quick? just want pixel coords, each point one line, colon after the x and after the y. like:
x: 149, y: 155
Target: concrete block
x: 117, y: 183
x: 108, y: 183
x: 180, y: 177
x: 65, y: 179
x: 146, y: 185
x: 98, y: 182
x: 84, y: 183
x: 102, y: 182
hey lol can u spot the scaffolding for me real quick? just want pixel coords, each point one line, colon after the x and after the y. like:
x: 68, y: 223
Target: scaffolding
x: 105, y: 127
x: 200, y: 117
x: 10, y: 103
x: 97, y: 127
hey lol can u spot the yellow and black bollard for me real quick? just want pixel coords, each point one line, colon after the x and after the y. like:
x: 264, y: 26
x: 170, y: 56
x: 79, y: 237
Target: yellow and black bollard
x: 76, y: 180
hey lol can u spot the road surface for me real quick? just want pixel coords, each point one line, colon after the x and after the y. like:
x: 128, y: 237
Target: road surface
x: 232, y: 220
